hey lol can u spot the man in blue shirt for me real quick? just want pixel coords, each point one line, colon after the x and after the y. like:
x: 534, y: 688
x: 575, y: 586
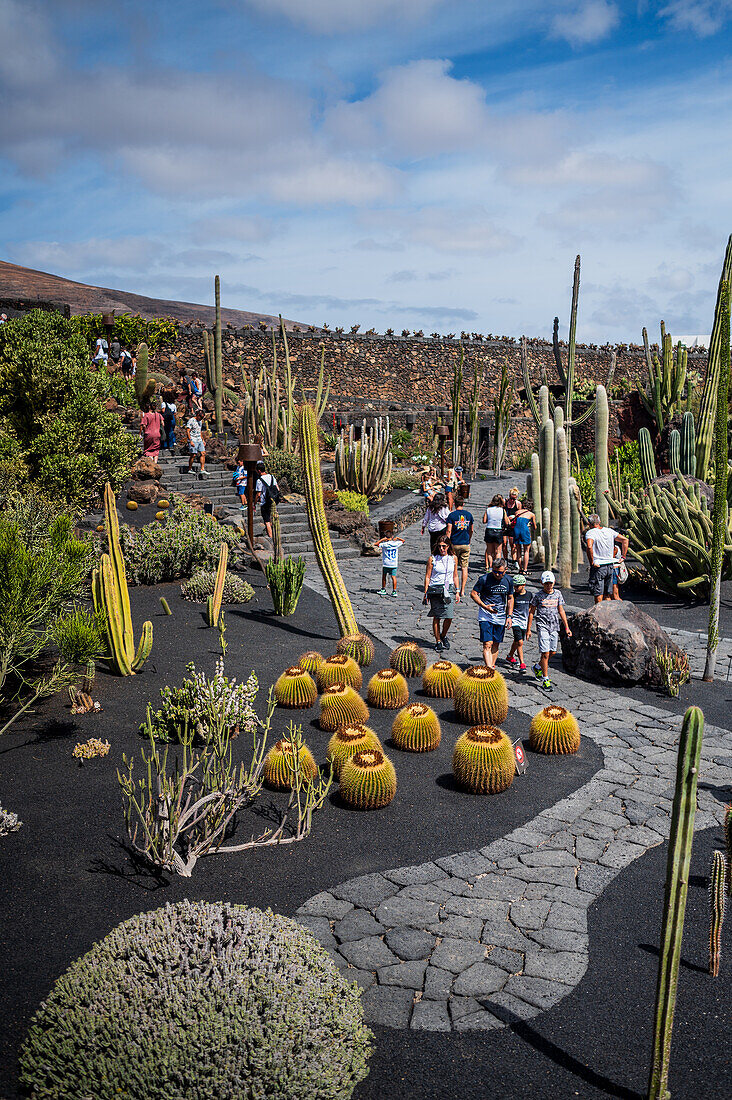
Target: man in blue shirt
x: 493, y: 593
x: 460, y: 532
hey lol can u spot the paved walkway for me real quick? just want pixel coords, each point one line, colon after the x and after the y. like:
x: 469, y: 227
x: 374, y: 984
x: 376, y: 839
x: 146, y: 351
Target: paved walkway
x: 480, y: 938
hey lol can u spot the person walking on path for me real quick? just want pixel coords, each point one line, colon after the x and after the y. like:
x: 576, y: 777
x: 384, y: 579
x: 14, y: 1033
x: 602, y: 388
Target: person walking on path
x: 152, y: 429
x: 435, y: 519
x: 460, y: 532
x: 493, y: 593
x: 389, y: 547
x: 196, y: 446
x: 495, y: 520
x: 196, y: 392
x: 169, y: 411
x: 520, y: 622
x: 268, y: 493
x: 441, y: 589
x: 524, y: 525
x: 547, y: 606
x: 511, y: 507
x: 126, y: 364
x: 601, y: 542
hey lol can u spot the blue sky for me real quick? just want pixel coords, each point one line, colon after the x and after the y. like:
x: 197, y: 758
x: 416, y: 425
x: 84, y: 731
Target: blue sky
x: 430, y: 164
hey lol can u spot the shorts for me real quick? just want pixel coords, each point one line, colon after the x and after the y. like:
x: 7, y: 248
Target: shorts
x: 493, y: 534
x: 519, y: 541
x: 491, y: 632
x: 601, y: 579
x: 519, y: 633
x: 389, y: 570
x: 267, y: 511
x: 548, y: 639
x: 462, y: 553
x: 197, y: 448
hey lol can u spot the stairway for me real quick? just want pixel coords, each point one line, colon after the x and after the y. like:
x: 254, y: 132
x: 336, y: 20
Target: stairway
x: 218, y: 487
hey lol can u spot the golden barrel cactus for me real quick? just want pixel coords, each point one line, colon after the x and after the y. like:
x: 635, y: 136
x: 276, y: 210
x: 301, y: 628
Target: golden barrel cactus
x: 340, y: 705
x: 481, y: 696
x: 311, y: 661
x: 387, y: 690
x: 359, y: 646
x: 416, y: 728
x: 368, y: 780
x: 439, y: 680
x: 483, y: 760
x: 280, y: 764
x: 295, y: 688
x: 409, y: 659
x: 339, y: 669
x: 346, y: 742
x: 554, y: 731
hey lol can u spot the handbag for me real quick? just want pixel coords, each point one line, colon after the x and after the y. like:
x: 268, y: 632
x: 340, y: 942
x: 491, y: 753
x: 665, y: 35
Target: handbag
x: 621, y: 570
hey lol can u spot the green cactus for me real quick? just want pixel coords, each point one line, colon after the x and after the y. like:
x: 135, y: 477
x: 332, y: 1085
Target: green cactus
x: 547, y: 478
x: 728, y: 846
x: 416, y: 728
x: 483, y: 760
x: 665, y: 381
x: 647, y: 460
x: 364, y: 466
x: 144, y: 386
x: 554, y: 514
x: 165, y: 606
x: 564, y: 555
x: 281, y: 765
x: 213, y: 605
x: 717, y: 350
x: 674, y: 451
x: 687, y: 461
x: 716, y: 910
x: 358, y: 646
x: 535, y: 493
x: 409, y: 659
x: 602, y: 417
x: 677, y: 880
x: 439, y: 680
x: 481, y: 696
x: 324, y: 555
x: 554, y: 731
x: 720, y: 508
x: 87, y: 684
x: 295, y: 688
x: 576, y: 531
x: 339, y: 669
x: 346, y: 742
x: 501, y: 419
x: 387, y: 690
x: 111, y: 597
x: 455, y: 391
x: 368, y: 780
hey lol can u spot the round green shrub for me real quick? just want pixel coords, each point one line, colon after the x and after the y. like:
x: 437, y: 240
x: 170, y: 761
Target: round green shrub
x: 202, y: 584
x: 287, y: 465
x: 199, y: 1001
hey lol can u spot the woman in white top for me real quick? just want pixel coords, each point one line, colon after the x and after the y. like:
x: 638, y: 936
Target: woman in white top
x: 442, y: 590
x: 435, y: 518
x: 495, y: 520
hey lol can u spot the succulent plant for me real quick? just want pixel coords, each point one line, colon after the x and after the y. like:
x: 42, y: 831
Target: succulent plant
x: 280, y: 764
x: 346, y: 742
x: 439, y: 680
x: 339, y: 669
x: 341, y: 705
x: 387, y: 690
x: 409, y: 659
x: 368, y: 780
x: 132, y: 505
x: 295, y: 688
x: 716, y: 910
x: 160, y: 515
x: 203, y: 582
x: 358, y: 646
x: 483, y: 760
x: 416, y: 728
x: 311, y: 661
x: 163, y: 503
x: 554, y: 731
x: 481, y: 696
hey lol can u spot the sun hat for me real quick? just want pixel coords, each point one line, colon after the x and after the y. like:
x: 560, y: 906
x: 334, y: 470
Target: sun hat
x: 519, y: 579
x: 547, y: 576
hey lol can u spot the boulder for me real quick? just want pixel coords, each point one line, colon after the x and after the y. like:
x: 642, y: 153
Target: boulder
x: 145, y: 469
x: 615, y: 643
x: 143, y: 492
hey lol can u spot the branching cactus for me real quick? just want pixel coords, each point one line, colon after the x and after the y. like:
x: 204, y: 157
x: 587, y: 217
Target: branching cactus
x: 144, y: 387
x: 364, y: 466
x: 716, y: 910
x: 674, y: 908
x: 112, y: 598
x: 602, y: 415
x: 717, y: 348
x: 665, y: 380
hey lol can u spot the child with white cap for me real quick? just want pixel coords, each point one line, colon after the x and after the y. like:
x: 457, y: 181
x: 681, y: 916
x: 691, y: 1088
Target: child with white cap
x: 548, y: 608
x: 520, y: 622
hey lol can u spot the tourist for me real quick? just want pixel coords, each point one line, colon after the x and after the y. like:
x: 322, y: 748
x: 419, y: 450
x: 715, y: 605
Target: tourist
x: 441, y: 589
x: 601, y: 543
x: 126, y: 365
x: 389, y: 547
x: 196, y: 446
x: 460, y: 532
x: 152, y: 428
x: 435, y: 519
x: 511, y: 508
x: 3, y: 318
x: 524, y: 524
x: 268, y: 493
x: 101, y: 351
x: 494, y: 518
x: 547, y: 606
x: 428, y: 483
x: 187, y: 387
x: 239, y: 478
x: 115, y: 352
x: 493, y: 593
x: 169, y: 414
x: 521, y: 603
x: 196, y: 392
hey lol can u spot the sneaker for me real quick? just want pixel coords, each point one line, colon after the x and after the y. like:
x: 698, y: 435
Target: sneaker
x: 547, y: 684
x: 522, y: 668
x: 204, y: 473
x: 393, y: 595
x: 438, y: 647
x: 382, y: 592
x: 513, y: 661
x: 445, y: 643
x: 537, y: 672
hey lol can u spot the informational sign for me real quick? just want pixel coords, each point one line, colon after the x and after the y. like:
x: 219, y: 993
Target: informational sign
x: 521, y: 762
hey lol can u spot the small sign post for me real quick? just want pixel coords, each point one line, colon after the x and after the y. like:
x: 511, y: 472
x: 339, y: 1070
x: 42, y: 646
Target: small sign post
x: 520, y: 755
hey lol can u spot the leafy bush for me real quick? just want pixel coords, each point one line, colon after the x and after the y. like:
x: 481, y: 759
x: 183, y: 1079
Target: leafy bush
x: 184, y: 542
x: 404, y: 479
x: 52, y: 404
x: 625, y: 459
x: 202, y: 584
x: 129, y: 329
x: 521, y: 461
x: 79, y: 635
x: 202, y: 705
x: 123, y: 392
x: 285, y: 464
x: 402, y: 444
x: 353, y: 502
x: 200, y: 999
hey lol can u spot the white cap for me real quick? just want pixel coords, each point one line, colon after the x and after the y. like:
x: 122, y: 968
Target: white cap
x: 547, y: 576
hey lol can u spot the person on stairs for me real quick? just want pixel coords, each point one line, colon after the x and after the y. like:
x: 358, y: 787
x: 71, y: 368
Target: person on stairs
x: 268, y: 493
x: 196, y: 446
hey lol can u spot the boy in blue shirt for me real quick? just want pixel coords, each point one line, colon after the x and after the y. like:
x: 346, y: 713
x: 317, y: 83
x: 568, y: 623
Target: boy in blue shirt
x: 460, y: 532
x: 520, y: 619
x: 389, y: 547
x: 493, y: 593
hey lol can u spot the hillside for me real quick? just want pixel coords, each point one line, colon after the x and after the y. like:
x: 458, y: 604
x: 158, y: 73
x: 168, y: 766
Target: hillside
x: 25, y: 283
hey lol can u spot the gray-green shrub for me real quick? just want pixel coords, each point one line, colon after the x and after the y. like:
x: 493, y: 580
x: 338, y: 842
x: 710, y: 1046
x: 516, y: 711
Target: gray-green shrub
x: 184, y: 542
x: 203, y: 582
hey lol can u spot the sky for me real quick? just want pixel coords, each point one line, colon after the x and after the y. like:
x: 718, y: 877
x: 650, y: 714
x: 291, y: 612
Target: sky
x: 412, y: 164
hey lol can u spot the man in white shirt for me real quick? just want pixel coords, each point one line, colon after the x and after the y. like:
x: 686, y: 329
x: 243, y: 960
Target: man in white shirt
x: 601, y: 542
x: 196, y: 445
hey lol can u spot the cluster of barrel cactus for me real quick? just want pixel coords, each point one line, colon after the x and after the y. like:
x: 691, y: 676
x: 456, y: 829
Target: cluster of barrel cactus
x: 364, y: 465
x: 481, y: 696
x: 409, y: 659
x: 203, y: 582
x: 295, y: 688
x: 439, y: 680
x: 339, y: 669
x: 346, y: 742
x: 387, y: 690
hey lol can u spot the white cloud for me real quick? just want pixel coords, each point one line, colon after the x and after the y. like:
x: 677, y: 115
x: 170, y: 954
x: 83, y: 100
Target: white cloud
x: 592, y: 21
x: 334, y: 17
x: 703, y: 17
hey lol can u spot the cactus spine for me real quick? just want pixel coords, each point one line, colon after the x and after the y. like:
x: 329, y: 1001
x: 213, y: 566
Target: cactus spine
x: 324, y: 555
x: 716, y: 910
x: 144, y: 389
x: 213, y: 607
x: 112, y: 597
x: 677, y: 880
x: 601, y: 436
x: 717, y: 349
x: 720, y: 510
x: 564, y: 556
x: 687, y: 461
x: 647, y: 461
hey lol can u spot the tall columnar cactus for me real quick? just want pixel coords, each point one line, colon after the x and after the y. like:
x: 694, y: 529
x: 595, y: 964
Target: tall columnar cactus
x: 324, y: 555
x: 474, y: 422
x: 502, y: 419
x: 716, y: 910
x: 536, y: 496
x: 364, y: 466
x: 554, y: 513
x: 144, y: 387
x: 647, y: 461
x: 218, y: 379
x: 687, y: 460
x: 602, y: 416
x: 677, y: 880
x: 665, y: 380
x: 717, y: 349
x: 547, y: 478
x: 213, y: 604
x: 576, y: 529
x: 455, y: 391
x: 111, y: 596
x: 728, y: 846
x: 674, y: 451
x: 720, y: 508
x: 564, y: 554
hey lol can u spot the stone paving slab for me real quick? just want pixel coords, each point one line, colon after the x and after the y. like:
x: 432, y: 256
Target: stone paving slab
x: 482, y: 938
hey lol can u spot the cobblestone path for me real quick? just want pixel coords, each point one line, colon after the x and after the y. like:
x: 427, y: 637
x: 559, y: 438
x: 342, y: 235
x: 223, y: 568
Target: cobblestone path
x: 476, y: 939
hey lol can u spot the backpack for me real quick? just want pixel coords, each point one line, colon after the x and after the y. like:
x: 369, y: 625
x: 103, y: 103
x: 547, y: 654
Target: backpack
x: 271, y: 490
